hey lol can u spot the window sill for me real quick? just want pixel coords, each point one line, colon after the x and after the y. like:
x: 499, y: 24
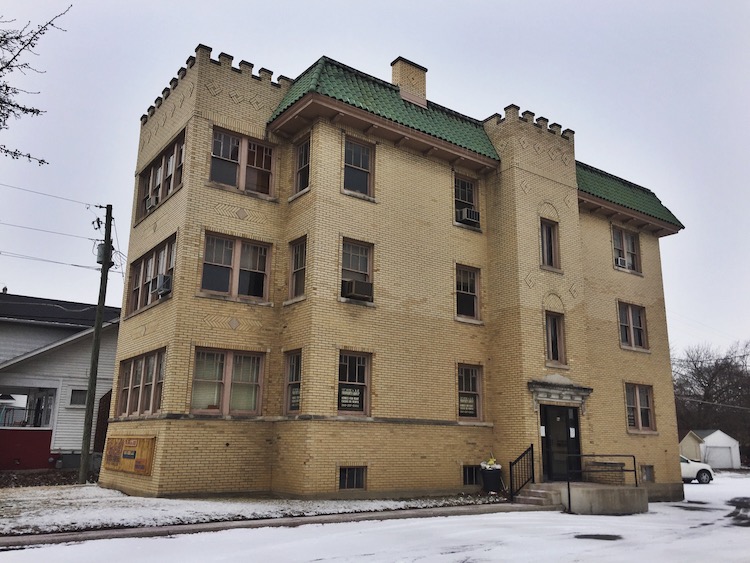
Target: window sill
x: 236, y: 190
x: 468, y: 320
x: 475, y: 423
x: 350, y: 417
x: 358, y: 195
x: 467, y: 227
x: 635, y: 349
x: 294, y: 300
x: 356, y: 302
x: 556, y: 365
x: 628, y: 271
x: 637, y: 432
x: 299, y: 194
x: 551, y: 269
x: 147, y: 307
x: 233, y: 299
x: 76, y: 407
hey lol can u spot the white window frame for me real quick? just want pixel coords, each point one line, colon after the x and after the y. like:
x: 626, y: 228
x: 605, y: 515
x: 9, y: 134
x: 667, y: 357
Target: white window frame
x: 257, y: 250
x: 297, y: 267
x: 626, y: 246
x: 550, y: 238
x: 356, y: 165
x: 150, y: 369
x: 470, y: 386
x: 145, y: 272
x: 635, y: 408
x: 228, y: 147
x: 161, y: 177
x: 226, y: 383
x: 554, y: 333
x: 629, y: 331
x: 361, y: 381
x: 467, y: 283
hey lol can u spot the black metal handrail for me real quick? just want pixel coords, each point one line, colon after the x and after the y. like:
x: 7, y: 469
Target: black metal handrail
x: 582, y: 471
x: 521, y: 471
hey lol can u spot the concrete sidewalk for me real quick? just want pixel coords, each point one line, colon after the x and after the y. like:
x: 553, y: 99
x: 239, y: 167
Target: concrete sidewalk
x: 27, y: 540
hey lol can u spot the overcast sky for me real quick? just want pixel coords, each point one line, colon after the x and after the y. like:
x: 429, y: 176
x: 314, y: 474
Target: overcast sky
x: 656, y: 91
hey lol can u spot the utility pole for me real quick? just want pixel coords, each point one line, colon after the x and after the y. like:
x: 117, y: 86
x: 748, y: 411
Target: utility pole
x: 106, y: 263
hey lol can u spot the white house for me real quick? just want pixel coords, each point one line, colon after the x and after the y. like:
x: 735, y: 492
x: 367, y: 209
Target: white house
x: 45, y: 357
x: 714, y: 447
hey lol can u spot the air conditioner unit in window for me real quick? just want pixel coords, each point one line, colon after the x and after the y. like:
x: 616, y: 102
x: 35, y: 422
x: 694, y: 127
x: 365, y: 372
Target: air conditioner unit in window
x: 163, y: 284
x: 468, y: 216
x: 355, y: 289
x: 621, y: 262
x: 151, y: 202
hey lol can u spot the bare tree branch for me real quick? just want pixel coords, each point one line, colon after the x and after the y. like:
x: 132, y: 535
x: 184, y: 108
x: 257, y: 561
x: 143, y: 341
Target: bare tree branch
x: 14, y: 44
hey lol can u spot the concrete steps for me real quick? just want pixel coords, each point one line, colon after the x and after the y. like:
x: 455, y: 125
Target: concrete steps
x: 539, y: 495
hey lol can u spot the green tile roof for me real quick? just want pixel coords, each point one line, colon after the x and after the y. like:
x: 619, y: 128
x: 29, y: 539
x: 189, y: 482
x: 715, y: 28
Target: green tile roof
x: 621, y: 192
x: 340, y: 82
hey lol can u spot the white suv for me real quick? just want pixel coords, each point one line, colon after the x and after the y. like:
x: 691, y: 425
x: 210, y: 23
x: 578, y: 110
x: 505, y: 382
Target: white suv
x: 702, y: 472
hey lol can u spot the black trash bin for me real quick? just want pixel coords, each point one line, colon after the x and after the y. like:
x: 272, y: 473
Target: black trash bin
x: 491, y: 480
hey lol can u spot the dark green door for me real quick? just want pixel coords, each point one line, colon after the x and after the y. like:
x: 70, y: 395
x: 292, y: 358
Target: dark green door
x: 560, y: 437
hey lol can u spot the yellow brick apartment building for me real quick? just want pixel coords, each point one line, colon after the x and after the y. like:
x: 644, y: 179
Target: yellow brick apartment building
x: 339, y: 288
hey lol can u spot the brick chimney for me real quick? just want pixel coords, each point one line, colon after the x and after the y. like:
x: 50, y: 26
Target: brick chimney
x: 411, y: 80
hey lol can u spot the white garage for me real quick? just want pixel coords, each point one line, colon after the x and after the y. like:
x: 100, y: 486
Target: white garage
x: 714, y: 447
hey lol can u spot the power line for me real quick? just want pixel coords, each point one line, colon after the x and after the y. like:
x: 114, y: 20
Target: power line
x: 46, y: 231
x: 48, y: 195
x: 711, y: 403
x: 37, y: 259
x: 117, y: 239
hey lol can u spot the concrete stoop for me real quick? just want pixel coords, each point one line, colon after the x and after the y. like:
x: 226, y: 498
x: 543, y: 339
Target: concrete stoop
x: 587, y: 498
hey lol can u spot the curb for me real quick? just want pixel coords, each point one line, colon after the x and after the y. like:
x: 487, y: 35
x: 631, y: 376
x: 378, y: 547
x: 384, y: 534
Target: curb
x: 29, y: 540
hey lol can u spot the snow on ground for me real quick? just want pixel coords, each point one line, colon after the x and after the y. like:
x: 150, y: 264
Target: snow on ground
x: 701, y: 528
x: 85, y: 507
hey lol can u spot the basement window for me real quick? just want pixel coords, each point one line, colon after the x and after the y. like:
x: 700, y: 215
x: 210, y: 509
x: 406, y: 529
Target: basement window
x: 352, y: 477
x: 471, y: 475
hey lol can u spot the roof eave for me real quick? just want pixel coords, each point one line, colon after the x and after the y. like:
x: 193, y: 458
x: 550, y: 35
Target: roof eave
x: 312, y: 106
x: 57, y: 344
x: 628, y: 217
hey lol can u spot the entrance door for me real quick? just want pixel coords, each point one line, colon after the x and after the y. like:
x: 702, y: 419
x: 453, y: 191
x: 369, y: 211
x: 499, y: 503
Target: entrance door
x: 559, y: 428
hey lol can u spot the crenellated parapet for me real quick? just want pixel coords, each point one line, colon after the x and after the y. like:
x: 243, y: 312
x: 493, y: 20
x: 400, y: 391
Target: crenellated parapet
x: 532, y: 143
x: 216, y: 84
x: 513, y: 115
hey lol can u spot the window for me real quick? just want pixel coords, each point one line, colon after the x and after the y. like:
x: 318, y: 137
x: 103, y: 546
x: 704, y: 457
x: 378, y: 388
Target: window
x: 639, y: 403
x: 647, y: 474
x: 353, y: 380
x: 468, y: 391
x: 78, y: 397
x: 141, y: 383
x: 226, y: 382
x: 299, y: 262
x: 293, y: 379
x: 467, y: 208
x: 555, y: 333
x: 357, y: 167
x: 632, y: 326
x: 550, y: 246
x: 241, y: 162
x: 356, y: 265
x: 302, y: 180
x: 467, y: 292
x: 626, y: 249
x: 151, y: 276
x: 235, y: 267
x: 161, y: 177
x: 352, y: 477
x: 471, y: 475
